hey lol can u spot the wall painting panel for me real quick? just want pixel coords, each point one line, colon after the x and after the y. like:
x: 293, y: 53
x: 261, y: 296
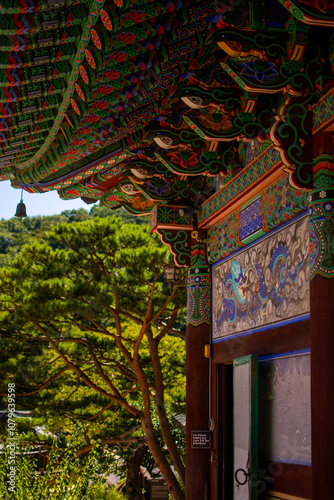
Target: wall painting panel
x: 263, y: 284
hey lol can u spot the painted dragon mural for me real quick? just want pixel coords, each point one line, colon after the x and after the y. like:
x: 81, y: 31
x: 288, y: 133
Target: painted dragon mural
x: 267, y: 283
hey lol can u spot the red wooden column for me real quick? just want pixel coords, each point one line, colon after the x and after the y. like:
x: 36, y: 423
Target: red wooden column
x: 322, y: 330
x: 197, y: 400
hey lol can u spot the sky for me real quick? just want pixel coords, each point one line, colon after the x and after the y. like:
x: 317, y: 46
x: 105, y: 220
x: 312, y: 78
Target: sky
x: 36, y: 204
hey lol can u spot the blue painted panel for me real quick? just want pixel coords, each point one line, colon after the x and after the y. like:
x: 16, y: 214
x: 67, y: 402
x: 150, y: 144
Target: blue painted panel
x: 250, y: 219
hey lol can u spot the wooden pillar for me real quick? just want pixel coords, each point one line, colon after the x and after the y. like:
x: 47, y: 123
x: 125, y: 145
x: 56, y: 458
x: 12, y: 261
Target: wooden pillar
x: 322, y: 330
x: 197, y: 401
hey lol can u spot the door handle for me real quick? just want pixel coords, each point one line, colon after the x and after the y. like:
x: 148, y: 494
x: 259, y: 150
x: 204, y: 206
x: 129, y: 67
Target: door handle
x: 241, y: 471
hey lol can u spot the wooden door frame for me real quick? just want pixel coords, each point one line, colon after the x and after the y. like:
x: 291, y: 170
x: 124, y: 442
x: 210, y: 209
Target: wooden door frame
x: 291, y: 337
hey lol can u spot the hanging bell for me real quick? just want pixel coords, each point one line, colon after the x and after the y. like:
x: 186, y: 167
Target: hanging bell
x: 21, y: 210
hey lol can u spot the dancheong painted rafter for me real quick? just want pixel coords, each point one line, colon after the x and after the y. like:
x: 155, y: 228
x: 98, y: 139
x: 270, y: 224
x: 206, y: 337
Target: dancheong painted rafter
x: 139, y: 103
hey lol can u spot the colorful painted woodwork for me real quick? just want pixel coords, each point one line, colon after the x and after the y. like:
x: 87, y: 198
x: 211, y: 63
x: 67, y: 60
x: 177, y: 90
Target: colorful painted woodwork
x: 199, y: 290
x: 192, y: 93
x: 321, y: 201
x: 275, y: 205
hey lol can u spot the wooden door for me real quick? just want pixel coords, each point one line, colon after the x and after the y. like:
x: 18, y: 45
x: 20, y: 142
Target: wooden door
x: 245, y: 424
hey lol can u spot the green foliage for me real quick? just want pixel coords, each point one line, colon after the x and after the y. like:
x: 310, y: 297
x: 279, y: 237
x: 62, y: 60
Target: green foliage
x: 101, y: 492
x: 15, y: 233
x: 89, y: 333
x: 126, y: 217
x: 65, y: 476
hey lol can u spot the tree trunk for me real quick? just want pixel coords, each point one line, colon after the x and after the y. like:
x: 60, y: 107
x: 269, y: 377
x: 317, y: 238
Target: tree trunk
x: 170, y: 441
x: 147, y: 482
x: 134, y: 479
x: 161, y: 461
x: 151, y: 438
x: 160, y: 406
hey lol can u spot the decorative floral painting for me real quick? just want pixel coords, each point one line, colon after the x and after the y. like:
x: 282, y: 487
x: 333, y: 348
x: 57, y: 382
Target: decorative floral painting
x: 266, y: 283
